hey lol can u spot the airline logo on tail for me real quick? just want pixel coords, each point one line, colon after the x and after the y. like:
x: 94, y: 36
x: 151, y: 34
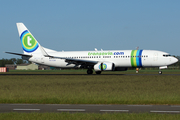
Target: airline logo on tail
x: 28, y: 42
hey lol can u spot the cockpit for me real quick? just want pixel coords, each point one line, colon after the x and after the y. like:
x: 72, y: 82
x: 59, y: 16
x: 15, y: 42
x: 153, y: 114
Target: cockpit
x: 166, y: 55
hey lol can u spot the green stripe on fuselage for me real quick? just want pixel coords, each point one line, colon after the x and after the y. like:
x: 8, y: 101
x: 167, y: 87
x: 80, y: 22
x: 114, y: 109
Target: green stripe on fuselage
x: 133, y: 58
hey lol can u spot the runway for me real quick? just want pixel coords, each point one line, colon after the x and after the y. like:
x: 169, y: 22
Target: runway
x: 89, y: 108
x: 96, y: 74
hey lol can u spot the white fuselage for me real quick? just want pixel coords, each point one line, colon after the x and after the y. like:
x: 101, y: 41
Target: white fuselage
x: 120, y: 58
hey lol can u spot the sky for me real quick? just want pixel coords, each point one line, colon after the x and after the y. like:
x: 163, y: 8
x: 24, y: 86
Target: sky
x: 83, y: 25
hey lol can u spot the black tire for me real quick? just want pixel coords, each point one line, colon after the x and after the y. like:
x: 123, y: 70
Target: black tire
x: 98, y: 72
x: 89, y: 71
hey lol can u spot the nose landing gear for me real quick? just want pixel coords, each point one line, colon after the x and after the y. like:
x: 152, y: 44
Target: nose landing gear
x: 160, y: 72
x: 162, y: 67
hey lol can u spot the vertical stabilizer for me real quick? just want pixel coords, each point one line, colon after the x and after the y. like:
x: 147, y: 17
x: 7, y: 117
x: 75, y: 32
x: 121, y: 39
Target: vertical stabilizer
x: 29, y: 44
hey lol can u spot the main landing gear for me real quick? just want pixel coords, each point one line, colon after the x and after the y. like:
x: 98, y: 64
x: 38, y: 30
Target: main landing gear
x: 89, y: 71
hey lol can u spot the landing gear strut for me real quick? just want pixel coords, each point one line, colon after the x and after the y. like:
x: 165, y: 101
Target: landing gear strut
x: 89, y: 71
x: 162, y: 67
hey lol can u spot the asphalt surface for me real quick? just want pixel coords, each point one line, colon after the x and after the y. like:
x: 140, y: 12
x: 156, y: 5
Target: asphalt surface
x: 90, y: 108
x: 98, y: 75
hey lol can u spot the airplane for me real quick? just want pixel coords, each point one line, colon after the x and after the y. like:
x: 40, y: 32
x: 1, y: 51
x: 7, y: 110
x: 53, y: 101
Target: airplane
x: 103, y: 60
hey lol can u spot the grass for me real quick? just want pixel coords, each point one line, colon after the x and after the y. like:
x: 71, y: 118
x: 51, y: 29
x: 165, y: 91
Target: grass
x: 107, y: 88
x: 87, y: 116
x: 91, y: 89
x: 83, y: 71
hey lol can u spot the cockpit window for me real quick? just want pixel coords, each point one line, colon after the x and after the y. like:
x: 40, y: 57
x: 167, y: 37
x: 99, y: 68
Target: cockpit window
x: 167, y: 55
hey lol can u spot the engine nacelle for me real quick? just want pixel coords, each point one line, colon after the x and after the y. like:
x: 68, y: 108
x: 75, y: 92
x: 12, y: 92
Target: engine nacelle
x: 105, y: 66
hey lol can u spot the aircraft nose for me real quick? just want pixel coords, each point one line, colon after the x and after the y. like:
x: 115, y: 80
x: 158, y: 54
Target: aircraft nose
x: 175, y: 60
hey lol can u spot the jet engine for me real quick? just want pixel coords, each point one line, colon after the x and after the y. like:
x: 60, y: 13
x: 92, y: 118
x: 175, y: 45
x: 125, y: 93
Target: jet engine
x: 105, y: 66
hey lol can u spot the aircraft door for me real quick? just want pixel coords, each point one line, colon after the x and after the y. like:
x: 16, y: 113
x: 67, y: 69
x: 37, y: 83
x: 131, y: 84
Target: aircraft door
x: 155, y: 57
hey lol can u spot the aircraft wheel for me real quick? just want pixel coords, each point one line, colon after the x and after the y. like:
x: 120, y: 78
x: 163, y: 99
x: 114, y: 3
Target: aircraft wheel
x: 89, y: 71
x: 160, y: 72
x: 98, y: 72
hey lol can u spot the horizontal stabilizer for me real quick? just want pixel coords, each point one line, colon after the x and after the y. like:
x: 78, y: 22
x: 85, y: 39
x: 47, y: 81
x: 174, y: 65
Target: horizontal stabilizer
x: 19, y: 54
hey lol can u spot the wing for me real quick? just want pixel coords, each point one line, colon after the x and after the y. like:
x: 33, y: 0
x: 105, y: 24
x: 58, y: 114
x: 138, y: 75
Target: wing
x: 76, y: 61
x: 71, y: 60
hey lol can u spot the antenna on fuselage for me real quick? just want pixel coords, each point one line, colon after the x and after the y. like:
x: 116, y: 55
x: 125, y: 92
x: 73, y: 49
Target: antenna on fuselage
x: 137, y: 48
x: 95, y: 49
